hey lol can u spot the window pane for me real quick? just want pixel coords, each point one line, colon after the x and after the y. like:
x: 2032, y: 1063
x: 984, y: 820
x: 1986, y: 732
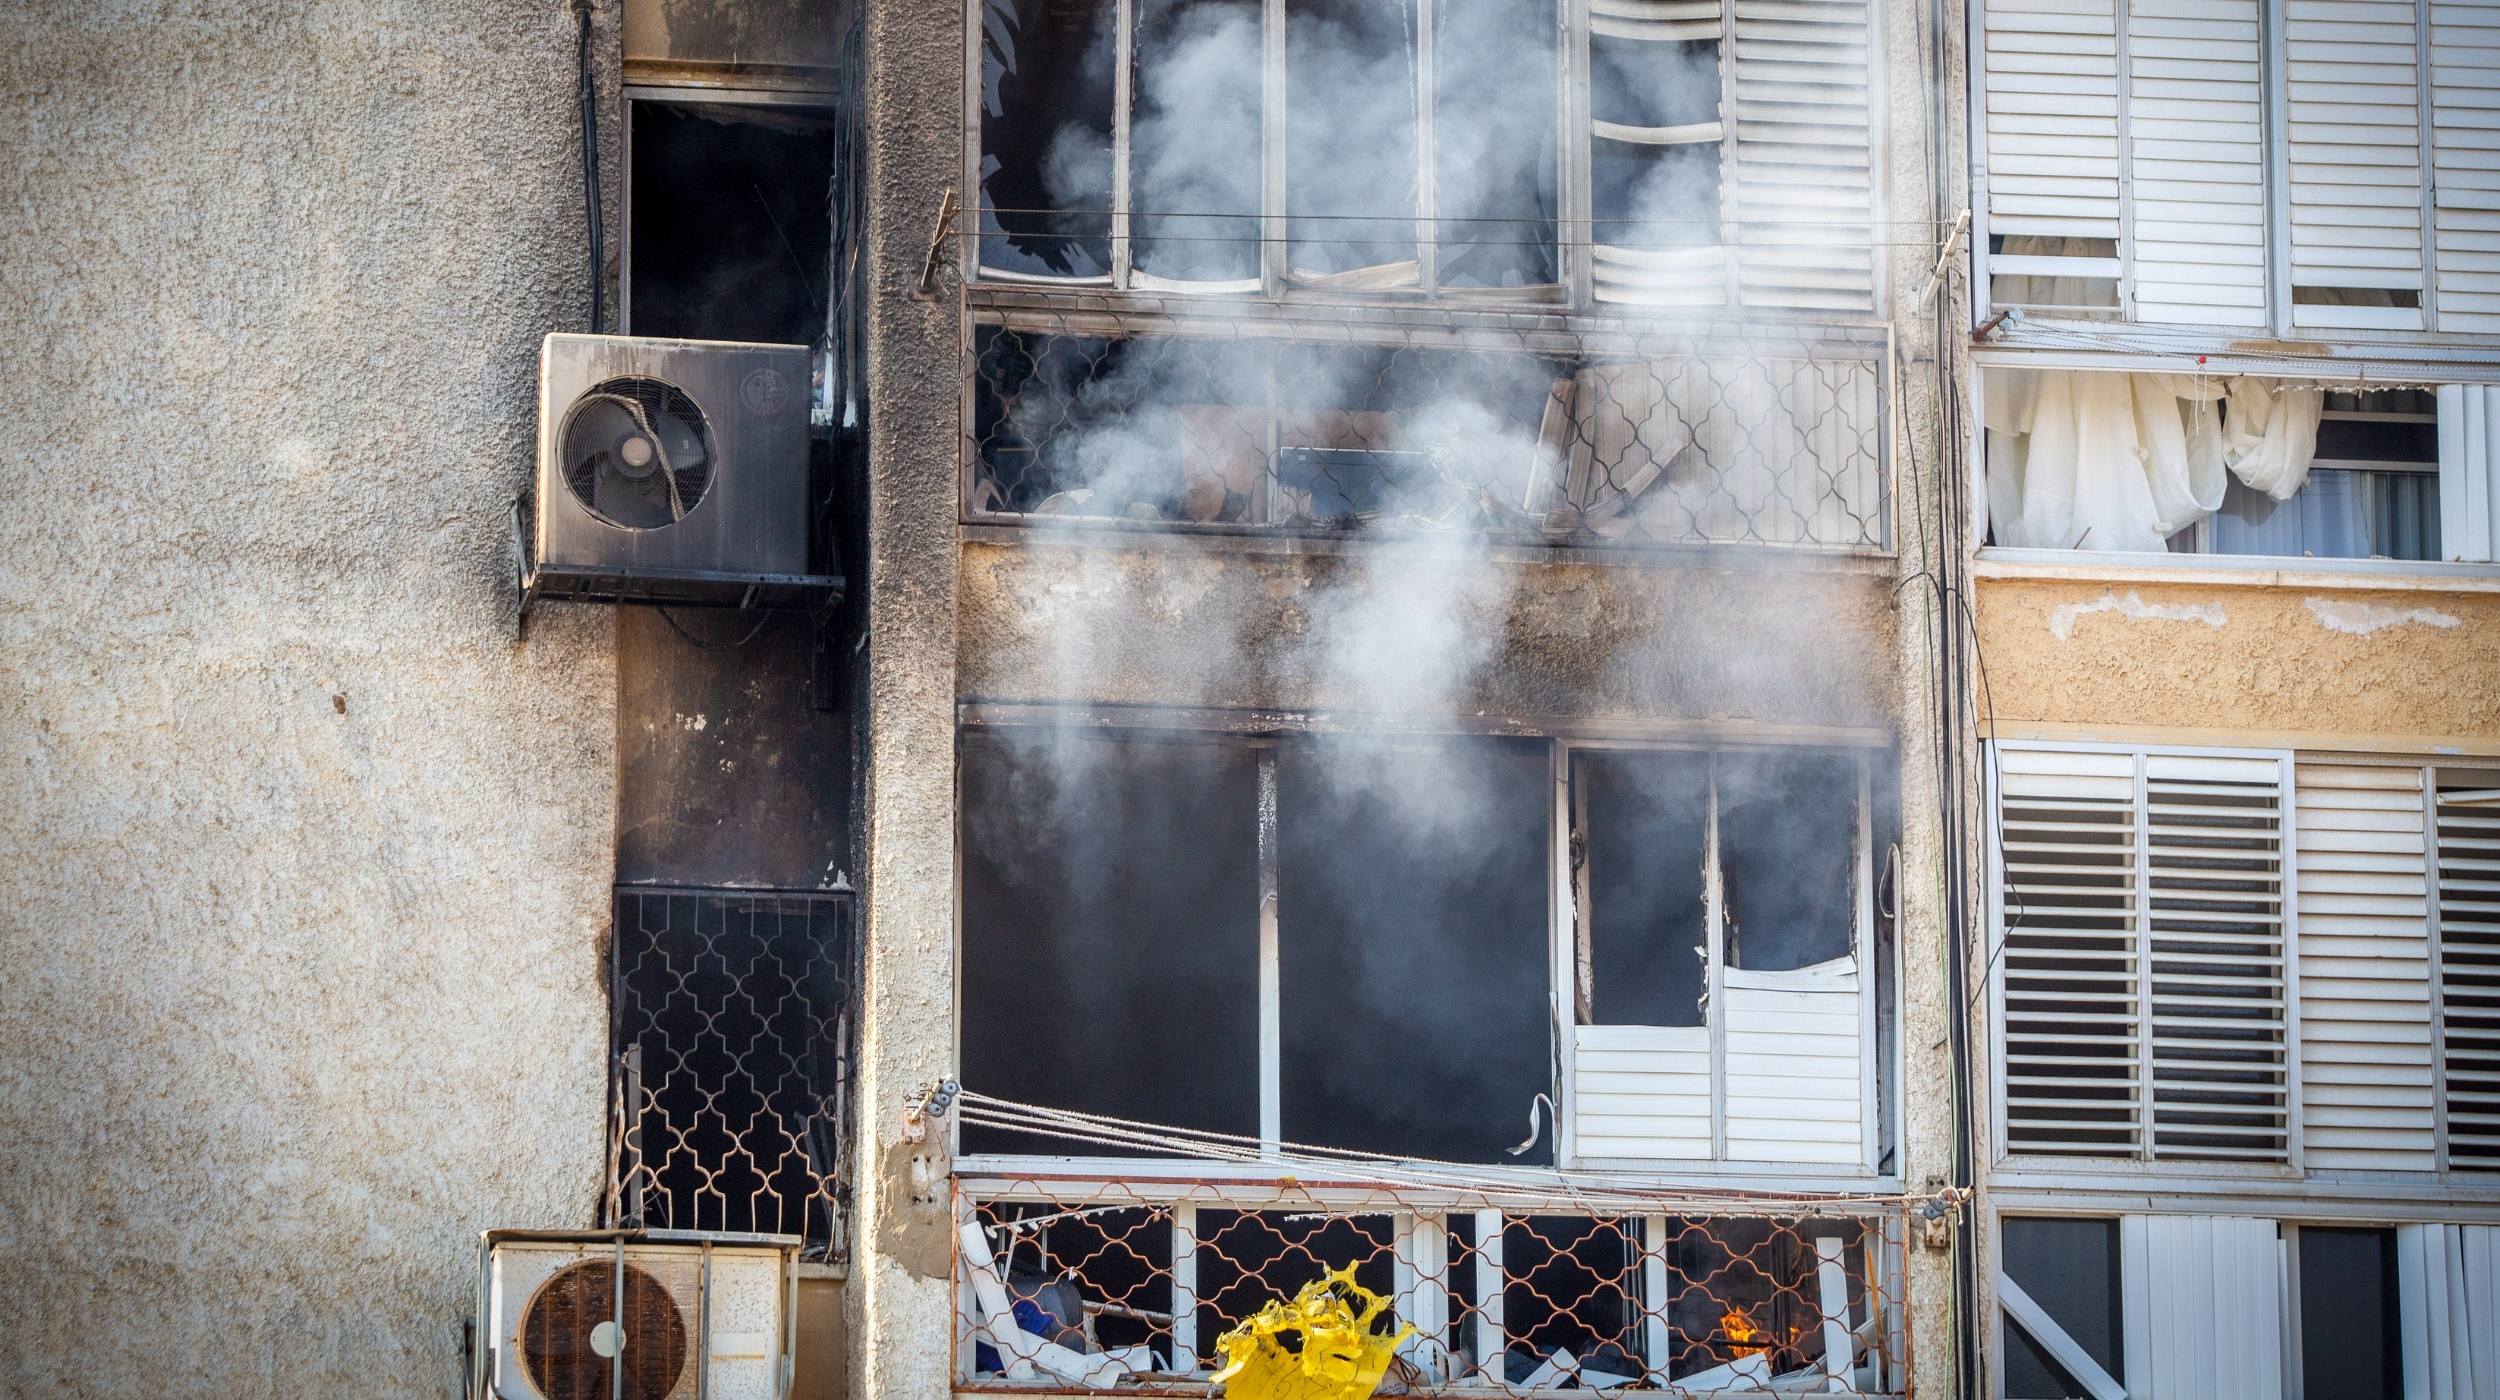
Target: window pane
x: 730, y: 222
x: 1412, y: 935
x: 2350, y: 1344
x: 1046, y: 136
x: 1194, y: 139
x: 1386, y: 435
x: 1645, y: 818
x: 1787, y: 855
x: 1110, y: 931
x: 1496, y: 83
x: 2070, y: 1268
x: 1351, y: 74
x: 2336, y: 514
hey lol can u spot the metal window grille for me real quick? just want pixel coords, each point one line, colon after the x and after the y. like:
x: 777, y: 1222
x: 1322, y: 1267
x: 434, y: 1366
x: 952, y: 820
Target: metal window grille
x: 731, y: 1062
x: 1742, y: 439
x: 1131, y: 1283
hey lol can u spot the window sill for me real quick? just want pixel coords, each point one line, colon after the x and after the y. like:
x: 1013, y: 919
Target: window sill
x: 2236, y: 571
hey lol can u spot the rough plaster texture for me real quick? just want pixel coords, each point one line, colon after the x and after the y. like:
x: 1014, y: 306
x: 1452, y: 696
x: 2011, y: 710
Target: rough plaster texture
x: 305, y: 860
x: 900, y: 1298
x: 2275, y: 662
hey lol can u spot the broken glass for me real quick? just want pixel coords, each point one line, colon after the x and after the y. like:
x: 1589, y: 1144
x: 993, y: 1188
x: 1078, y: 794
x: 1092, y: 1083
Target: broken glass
x: 1047, y: 70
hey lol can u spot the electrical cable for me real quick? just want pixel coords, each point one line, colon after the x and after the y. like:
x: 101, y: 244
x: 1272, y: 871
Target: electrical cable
x: 589, y: 99
x: 701, y: 645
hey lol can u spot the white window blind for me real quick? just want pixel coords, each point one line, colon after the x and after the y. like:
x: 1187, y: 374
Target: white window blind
x: 2469, y: 471
x: 2145, y: 988
x: 2196, y: 161
x: 2049, y: 114
x: 2468, y: 817
x: 2355, y: 103
x: 1804, y: 185
x: 2365, y: 1007
x: 2448, y: 1287
x: 2204, y: 1317
x: 2465, y: 161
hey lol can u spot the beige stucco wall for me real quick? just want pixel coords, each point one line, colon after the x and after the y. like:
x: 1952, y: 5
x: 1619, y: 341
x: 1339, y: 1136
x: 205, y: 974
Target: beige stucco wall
x: 2291, y: 661
x: 302, y: 858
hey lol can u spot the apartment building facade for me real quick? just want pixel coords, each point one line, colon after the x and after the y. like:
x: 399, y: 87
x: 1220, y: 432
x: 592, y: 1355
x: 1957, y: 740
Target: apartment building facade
x: 2239, y: 651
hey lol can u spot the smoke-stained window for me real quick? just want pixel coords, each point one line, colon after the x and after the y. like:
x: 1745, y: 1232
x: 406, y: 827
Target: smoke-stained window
x: 1352, y: 138
x: 1046, y: 185
x: 1110, y: 930
x: 1787, y: 853
x: 1641, y: 840
x: 1496, y: 143
x: 1195, y: 133
x: 1412, y: 932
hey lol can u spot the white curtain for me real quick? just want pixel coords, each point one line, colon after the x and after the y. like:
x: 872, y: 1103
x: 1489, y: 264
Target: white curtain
x: 2080, y: 459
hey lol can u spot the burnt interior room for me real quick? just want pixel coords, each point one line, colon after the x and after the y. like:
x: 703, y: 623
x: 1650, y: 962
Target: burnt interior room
x: 729, y: 221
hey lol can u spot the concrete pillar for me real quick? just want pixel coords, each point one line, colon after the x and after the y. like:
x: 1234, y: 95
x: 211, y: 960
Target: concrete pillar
x: 899, y: 1294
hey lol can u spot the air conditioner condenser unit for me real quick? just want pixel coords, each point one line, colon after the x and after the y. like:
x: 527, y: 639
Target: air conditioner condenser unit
x: 651, y: 1315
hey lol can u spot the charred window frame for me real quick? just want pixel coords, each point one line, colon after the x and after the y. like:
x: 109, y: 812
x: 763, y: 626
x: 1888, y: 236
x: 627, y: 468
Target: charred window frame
x: 1620, y: 173
x: 1279, y: 1025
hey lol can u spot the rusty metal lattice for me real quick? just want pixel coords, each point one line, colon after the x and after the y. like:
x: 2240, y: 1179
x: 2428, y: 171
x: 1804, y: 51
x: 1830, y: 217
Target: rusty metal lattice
x: 730, y: 1042
x: 1067, y: 1283
x: 1663, y: 441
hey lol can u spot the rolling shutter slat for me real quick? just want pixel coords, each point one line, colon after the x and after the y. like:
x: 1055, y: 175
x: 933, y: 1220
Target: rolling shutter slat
x: 2468, y: 838
x: 2465, y: 161
x: 1802, y: 188
x: 2354, y: 103
x: 2195, y: 122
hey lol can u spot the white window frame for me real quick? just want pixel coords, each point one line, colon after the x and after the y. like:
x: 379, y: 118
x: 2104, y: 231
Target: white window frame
x: 1567, y: 970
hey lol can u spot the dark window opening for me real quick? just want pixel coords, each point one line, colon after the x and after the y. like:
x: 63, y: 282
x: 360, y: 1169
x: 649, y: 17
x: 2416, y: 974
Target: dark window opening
x: 1412, y: 947
x: 1787, y: 858
x: 2351, y: 1346
x: 1352, y: 73
x: 730, y: 1031
x: 1573, y: 1283
x: 1047, y: 93
x: 1194, y: 139
x: 1090, y: 1279
x: 1246, y: 1258
x: 1496, y: 143
x: 2070, y: 1268
x: 731, y: 223
x: 1110, y: 931
x: 1644, y: 825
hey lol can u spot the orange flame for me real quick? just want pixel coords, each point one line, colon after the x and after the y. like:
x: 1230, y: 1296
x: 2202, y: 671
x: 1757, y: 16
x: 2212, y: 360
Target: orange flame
x: 1744, y: 1338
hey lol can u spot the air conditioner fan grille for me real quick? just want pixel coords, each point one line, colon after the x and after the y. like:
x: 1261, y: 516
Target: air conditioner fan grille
x: 637, y: 452
x: 557, y: 1327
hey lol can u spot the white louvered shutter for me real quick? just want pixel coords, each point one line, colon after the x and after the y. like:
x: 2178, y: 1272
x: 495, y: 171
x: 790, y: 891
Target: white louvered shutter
x: 2469, y: 962
x: 2213, y: 887
x: 2465, y: 161
x: 2068, y: 894
x: 2204, y: 1315
x: 2356, y: 157
x: 2196, y: 159
x: 2365, y: 968
x: 1803, y: 184
x: 1660, y: 276
x: 2448, y: 1292
x: 1795, y: 1046
x: 2049, y: 93
x: 1640, y: 1091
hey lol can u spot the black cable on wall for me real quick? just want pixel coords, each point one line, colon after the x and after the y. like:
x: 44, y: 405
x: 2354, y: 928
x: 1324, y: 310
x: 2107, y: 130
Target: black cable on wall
x: 590, y: 173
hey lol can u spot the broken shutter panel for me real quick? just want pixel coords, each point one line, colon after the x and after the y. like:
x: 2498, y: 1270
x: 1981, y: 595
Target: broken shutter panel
x: 2213, y: 886
x: 2468, y: 821
x: 2356, y: 162
x: 1654, y: 19
x: 2196, y: 158
x: 1640, y: 1091
x: 2448, y: 1291
x: 2365, y: 989
x: 2069, y: 893
x: 1803, y: 189
x: 2204, y: 1307
x: 1793, y: 1058
x: 2050, y: 93
x: 2469, y: 471
x: 2465, y: 161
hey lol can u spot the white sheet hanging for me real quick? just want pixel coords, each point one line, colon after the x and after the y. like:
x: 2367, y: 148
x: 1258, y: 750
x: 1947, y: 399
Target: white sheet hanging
x: 2079, y: 459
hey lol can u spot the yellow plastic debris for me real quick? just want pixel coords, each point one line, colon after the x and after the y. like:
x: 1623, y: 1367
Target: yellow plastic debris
x: 1341, y: 1357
